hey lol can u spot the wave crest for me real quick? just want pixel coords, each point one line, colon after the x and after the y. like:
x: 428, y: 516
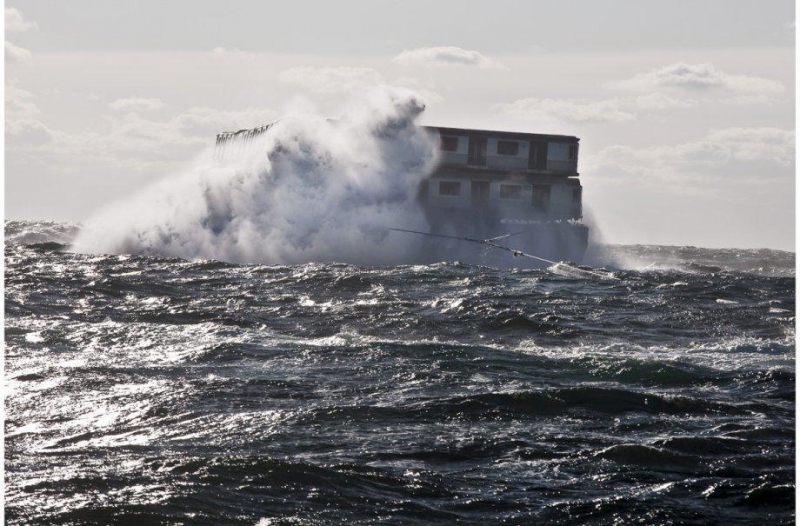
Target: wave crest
x: 311, y: 190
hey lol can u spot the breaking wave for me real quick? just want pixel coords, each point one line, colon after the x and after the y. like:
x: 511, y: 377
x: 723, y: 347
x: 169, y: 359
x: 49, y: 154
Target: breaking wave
x: 311, y: 190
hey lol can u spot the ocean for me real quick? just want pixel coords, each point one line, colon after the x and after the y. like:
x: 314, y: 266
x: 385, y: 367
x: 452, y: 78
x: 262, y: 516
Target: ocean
x: 147, y: 390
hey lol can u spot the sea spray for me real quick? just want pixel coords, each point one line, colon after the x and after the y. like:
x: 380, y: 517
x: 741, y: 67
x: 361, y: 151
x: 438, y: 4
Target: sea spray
x: 311, y: 190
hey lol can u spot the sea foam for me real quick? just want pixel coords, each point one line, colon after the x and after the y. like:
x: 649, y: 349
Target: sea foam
x: 311, y: 189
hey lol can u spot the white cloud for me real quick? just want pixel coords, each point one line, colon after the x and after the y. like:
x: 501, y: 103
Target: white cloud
x: 621, y: 109
x: 659, y: 101
x: 20, y: 103
x: 207, y: 122
x: 222, y: 52
x: 22, y: 118
x: 760, y: 98
x: 331, y: 79
x: 142, y: 142
x: 345, y: 80
x: 426, y: 88
x: 756, y: 154
x: 584, y: 111
x: 445, y: 56
x: 16, y: 22
x: 130, y: 140
x: 136, y: 104
x: 591, y: 111
x: 27, y: 131
x: 751, y: 144
x: 15, y: 53
x: 696, y: 77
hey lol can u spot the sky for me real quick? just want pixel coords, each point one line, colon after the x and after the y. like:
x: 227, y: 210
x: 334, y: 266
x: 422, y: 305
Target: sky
x: 685, y: 109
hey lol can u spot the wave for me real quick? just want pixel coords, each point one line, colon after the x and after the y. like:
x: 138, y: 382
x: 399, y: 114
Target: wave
x: 311, y: 190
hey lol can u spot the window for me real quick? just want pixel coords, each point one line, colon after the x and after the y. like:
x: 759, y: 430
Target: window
x: 449, y: 188
x: 537, y: 156
x: 449, y: 144
x: 541, y: 197
x: 573, y: 152
x: 510, y: 191
x: 477, y: 151
x: 507, y: 148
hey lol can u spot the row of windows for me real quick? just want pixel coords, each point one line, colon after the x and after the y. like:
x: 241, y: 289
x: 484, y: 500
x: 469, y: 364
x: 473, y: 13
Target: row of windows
x: 450, y: 144
x: 507, y: 191
x: 539, y: 194
x: 511, y: 148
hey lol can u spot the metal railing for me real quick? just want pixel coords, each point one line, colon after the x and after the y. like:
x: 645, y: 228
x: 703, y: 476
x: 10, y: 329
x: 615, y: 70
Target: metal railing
x: 231, y: 144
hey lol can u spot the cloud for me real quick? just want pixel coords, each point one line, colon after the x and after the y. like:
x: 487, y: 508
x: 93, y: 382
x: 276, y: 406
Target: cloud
x: 22, y: 123
x: 27, y: 131
x: 659, y: 101
x: 445, y: 56
x: 136, y: 104
x: 15, y: 21
x: 222, y: 52
x: 142, y: 142
x: 583, y: 111
x: 426, y: 88
x: 130, y: 139
x: 678, y: 79
x: 345, y: 80
x: 702, y: 166
x: 591, y: 111
x: 15, y: 53
x: 331, y: 79
x: 751, y: 144
x: 207, y: 122
x: 760, y: 98
x: 696, y: 77
x: 20, y: 103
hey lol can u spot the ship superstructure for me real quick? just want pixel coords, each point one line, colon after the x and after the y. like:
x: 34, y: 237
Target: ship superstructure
x: 490, y: 183
x: 524, y: 176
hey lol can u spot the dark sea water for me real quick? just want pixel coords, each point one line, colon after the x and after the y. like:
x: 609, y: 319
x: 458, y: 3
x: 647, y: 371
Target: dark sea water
x: 142, y: 390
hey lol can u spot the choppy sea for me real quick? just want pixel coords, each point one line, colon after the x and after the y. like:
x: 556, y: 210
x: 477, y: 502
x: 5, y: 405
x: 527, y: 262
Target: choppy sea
x: 143, y: 390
